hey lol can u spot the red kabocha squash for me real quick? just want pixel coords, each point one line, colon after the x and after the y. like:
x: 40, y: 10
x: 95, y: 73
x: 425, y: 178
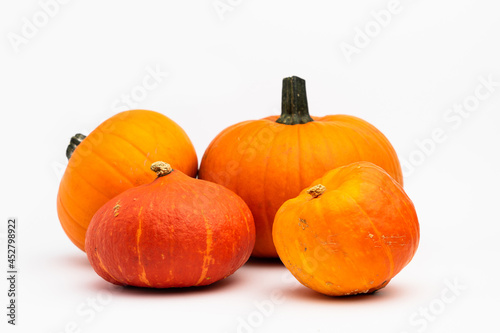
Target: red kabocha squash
x: 350, y: 232
x: 271, y: 160
x: 113, y: 158
x: 174, y: 232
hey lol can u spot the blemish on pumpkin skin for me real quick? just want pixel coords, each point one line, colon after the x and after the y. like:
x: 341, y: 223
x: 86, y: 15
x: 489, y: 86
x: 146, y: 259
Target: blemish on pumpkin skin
x: 116, y: 209
x: 303, y: 224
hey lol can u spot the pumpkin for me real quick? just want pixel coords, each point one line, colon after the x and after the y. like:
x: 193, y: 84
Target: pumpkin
x: 174, y: 232
x: 270, y: 160
x: 114, y: 158
x: 349, y: 233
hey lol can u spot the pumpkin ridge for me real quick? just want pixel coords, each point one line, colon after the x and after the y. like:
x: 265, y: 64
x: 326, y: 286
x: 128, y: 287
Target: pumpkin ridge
x: 301, y: 206
x: 230, y: 129
x: 405, y: 203
x: 117, y: 170
x: 368, y: 131
x: 311, y: 147
x: 341, y: 135
x: 154, y: 118
x: 133, y: 145
x: 413, y: 236
x: 104, y: 267
x: 377, y: 232
x: 150, y: 115
x: 254, y: 134
x: 215, y: 177
x: 411, y: 207
x: 299, y: 161
x: 207, y: 256
x: 98, y: 190
x: 63, y: 207
x: 265, y: 206
x: 321, y: 209
x: 267, y: 223
x: 354, y: 145
x: 180, y: 130
x: 142, y: 275
x: 75, y: 241
x: 250, y: 241
x: 70, y: 200
x: 329, y: 148
x: 244, y: 217
x: 381, y: 141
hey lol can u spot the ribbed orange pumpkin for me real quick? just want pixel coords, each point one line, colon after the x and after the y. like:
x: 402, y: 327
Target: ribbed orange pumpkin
x: 174, y: 232
x: 350, y: 232
x: 115, y: 157
x: 271, y: 160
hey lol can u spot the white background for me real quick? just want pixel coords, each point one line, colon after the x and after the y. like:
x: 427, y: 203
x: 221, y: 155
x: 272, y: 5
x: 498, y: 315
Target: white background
x: 70, y: 75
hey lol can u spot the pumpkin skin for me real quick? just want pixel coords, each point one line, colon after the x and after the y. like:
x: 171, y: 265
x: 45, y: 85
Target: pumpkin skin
x: 174, y: 232
x: 267, y: 162
x: 351, y: 236
x: 115, y: 157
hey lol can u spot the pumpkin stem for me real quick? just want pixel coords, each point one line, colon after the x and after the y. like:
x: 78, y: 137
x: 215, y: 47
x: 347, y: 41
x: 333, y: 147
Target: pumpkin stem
x: 294, y: 109
x: 316, y: 191
x: 161, y: 168
x: 73, y: 143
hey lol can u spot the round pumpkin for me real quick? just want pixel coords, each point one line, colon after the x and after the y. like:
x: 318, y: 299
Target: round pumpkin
x: 174, y: 232
x: 350, y: 232
x: 113, y: 158
x: 271, y: 160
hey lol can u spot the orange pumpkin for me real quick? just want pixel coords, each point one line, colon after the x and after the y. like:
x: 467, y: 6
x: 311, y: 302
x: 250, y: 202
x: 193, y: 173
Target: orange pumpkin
x: 350, y: 232
x: 174, y: 232
x: 271, y: 160
x: 113, y: 158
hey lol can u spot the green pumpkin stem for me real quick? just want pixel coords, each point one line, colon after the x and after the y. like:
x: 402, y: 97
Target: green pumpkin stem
x: 74, y: 142
x: 294, y: 109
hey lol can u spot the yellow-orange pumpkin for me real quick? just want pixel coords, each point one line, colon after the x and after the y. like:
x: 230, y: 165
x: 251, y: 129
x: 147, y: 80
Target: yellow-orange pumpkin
x: 350, y: 232
x: 115, y: 157
x: 174, y: 232
x: 271, y: 160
